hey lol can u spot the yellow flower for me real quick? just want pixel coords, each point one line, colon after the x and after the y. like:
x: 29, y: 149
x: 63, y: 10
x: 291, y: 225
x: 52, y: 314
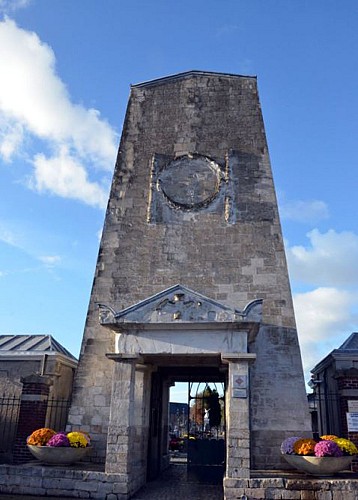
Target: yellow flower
x: 346, y: 446
x: 77, y: 439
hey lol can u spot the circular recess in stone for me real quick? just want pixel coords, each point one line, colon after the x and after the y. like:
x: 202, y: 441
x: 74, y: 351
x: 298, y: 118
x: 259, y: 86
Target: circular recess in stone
x: 190, y: 181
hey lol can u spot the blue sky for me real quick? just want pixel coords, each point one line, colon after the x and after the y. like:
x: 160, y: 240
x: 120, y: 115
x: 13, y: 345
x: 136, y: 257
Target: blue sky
x: 66, y: 67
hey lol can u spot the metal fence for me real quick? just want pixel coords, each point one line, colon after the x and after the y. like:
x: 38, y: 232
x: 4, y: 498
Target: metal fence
x: 56, y: 418
x: 9, y: 414
x: 57, y: 412
x: 328, y: 411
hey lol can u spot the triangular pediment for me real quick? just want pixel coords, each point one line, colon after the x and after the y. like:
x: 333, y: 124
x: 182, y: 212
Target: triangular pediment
x: 179, y: 304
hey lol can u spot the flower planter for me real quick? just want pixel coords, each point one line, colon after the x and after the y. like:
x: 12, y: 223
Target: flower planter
x: 319, y: 466
x: 61, y: 455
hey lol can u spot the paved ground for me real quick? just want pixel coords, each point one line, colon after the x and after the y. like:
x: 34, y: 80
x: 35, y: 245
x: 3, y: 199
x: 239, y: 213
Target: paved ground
x: 173, y: 485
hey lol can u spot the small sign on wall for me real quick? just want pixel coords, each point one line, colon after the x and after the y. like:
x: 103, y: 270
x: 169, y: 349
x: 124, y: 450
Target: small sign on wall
x: 353, y: 405
x: 352, y: 421
x: 239, y: 386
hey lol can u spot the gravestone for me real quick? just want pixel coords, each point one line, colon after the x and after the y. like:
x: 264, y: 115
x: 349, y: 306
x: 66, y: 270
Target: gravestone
x: 191, y: 277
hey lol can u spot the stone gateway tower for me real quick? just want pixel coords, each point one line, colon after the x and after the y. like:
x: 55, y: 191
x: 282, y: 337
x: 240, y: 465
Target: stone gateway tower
x: 191, y: 283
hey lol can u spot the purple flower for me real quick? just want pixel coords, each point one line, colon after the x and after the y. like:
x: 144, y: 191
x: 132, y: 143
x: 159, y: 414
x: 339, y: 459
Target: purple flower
x: 287, y: 445
x: 327, y: 449
x: 59, y: 439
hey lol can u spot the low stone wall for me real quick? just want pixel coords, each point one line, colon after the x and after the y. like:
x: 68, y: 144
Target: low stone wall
x: 284, y: 488
x: 62, y: 483
x: 76, y: 483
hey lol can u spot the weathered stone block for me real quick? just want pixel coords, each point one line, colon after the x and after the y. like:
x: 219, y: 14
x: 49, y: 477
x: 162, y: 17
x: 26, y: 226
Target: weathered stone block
x: 103, y: 490
x: 120, y: 488
x: 255, y: 493
x: 291, y: 495
x: 308, y: 495
x: 234, y: 493
x: 324, y: 495
x: 85, y: 486
x: 344, y: 495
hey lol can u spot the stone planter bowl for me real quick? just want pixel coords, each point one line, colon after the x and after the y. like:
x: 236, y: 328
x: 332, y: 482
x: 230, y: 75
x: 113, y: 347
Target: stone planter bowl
x: 319, y: 466
x: 61, y: 455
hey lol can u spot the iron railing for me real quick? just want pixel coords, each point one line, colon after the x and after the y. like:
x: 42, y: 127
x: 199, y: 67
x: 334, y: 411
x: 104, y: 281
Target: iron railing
x: 56, y: 418
x: 9, y: 414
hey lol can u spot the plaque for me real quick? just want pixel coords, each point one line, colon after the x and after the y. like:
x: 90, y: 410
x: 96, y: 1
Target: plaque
x: 190, y: 181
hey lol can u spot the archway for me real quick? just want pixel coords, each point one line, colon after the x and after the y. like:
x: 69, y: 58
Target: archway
x: 192, y: 434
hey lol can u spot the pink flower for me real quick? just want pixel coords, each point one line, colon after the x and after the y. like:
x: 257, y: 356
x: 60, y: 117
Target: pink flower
x: 327, y: 449
x: 59, y: 439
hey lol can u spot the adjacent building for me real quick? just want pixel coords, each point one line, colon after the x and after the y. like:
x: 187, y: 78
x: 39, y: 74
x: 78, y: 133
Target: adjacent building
x: 24, y: 355
x: 335, y: 391
x: 36, y: 379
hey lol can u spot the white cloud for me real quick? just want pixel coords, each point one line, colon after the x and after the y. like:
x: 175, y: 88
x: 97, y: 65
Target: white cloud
x: 50, y: 260
x: 306, y: 211
x: 29, y: 242
x: 324, y: 319
x: 32, y: 93
x: 331, y: 259
x: 11, y: 136
x: 7, y: 236
x: 65, y: 176
x: 35, y: 103
x: 7, y: 6
x: 179, y: 392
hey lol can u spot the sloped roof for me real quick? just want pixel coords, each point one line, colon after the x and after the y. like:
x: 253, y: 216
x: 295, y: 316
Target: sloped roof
x: 31, y: 344
x: 188, y: 74
x: 351, y: 344
x: 348, y: 348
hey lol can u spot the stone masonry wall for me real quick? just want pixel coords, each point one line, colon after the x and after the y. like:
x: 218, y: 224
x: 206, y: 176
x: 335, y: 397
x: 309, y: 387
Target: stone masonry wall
x: 278, y: 398
x: 71, y: 483
x: 233, y: 262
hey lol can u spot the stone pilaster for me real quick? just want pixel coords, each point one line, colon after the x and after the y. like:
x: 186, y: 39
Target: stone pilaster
x: 121, y: 430
x: 237, y: 417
